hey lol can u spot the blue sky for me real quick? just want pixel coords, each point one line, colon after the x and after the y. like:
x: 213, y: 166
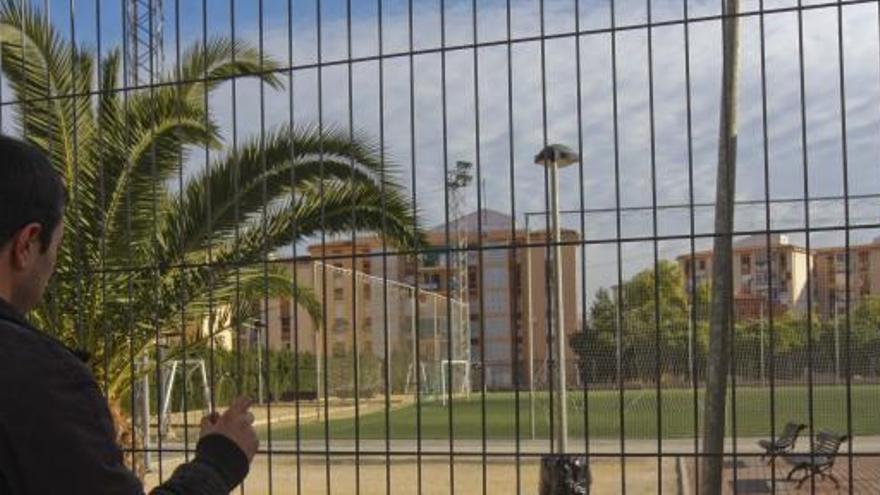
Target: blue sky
x: 824, y: 172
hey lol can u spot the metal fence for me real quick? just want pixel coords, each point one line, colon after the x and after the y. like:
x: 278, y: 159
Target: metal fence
x: 355, y: 212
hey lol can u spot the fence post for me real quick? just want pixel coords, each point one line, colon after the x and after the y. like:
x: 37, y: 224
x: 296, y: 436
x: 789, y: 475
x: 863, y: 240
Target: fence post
x: 718, y: 363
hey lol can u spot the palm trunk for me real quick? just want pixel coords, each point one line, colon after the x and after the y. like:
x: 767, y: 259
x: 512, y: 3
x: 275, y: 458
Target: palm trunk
x: 718, y: 364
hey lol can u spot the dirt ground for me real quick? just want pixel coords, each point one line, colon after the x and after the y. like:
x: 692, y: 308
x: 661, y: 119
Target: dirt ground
x: 372, y: 476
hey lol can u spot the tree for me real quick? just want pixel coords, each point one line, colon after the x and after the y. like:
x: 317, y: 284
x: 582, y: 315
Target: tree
x: 150, y: 247
x: 596, y: 345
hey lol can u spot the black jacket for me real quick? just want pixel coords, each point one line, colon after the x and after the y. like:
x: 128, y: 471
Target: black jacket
x: 56, y: 435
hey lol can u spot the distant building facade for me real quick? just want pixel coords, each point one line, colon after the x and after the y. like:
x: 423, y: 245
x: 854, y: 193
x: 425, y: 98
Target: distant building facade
x: 499, y: 297
x: 496, y: 309
x: 790, y: 275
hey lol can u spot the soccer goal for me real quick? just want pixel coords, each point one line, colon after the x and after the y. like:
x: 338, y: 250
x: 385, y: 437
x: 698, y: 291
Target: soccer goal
x: 460, y: 372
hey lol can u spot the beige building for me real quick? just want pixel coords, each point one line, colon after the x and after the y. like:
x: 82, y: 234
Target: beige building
x: 499, y: 297
x: 791, y: 265
x: 830, y: 276
x: 754, y: 283
x: 493, y: 318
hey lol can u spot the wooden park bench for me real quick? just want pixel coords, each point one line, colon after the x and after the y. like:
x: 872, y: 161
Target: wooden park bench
x: 784, y: 444
x: 820, y: 462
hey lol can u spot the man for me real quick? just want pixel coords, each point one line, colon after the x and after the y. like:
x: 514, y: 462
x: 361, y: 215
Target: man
x: 56, y: 433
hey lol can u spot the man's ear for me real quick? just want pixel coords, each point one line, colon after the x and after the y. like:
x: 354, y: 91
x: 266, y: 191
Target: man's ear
x: 26, y: 245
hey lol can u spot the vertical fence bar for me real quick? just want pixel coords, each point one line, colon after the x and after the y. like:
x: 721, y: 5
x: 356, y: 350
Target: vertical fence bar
x: 516, y: 323
x: 384, y: 235
x: 264, y: 255
x: 481, y: 288
x: 294, y: 237
x: 237, y: 313
x: 768, y: 225
x: 841, y: 59
x: 183, y: 266
x: 449, y: 252
x: 549, y: 260
x: 692, y: 314
x: 807, y: 234
x: 154, y: 280
x: 354, y: 268
x: 656, y: 252
x: 323, y: 258
x: 130, y: 269
x: 582, y: 247
x: 417, y: 248
x: 210, y: 220
x: 619, y: 251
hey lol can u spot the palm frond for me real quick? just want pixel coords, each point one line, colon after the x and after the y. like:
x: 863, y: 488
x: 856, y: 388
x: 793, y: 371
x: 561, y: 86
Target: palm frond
x: 235, y: 189
x: 206, y: 65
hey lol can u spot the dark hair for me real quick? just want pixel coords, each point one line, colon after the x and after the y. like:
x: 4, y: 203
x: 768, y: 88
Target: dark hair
x: 31, y: 191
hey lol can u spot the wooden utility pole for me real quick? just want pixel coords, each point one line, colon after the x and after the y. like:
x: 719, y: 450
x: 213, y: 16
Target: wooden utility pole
x: 718, y: 364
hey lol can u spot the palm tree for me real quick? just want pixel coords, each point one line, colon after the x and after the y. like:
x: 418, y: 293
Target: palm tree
x: 148, y: 248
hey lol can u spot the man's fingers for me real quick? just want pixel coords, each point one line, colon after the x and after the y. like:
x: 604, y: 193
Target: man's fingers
x: 209, y: 420
x: 240, y: 404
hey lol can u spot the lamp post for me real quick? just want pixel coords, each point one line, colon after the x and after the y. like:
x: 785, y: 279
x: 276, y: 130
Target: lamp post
x: 258, y: 326
x: 554, y: 157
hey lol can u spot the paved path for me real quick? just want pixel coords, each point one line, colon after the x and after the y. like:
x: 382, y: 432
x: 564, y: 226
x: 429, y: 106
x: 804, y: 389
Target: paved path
x: 751, y: 476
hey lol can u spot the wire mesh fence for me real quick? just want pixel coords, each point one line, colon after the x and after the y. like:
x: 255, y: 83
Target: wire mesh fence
x: 336, y: 207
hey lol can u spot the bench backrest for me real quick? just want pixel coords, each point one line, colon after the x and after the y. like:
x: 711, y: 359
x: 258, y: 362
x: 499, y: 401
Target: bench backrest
x: 828, y: 444
x: 789, y: 435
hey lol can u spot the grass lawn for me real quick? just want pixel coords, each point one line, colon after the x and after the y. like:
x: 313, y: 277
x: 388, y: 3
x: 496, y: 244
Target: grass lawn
x: 640, y: 418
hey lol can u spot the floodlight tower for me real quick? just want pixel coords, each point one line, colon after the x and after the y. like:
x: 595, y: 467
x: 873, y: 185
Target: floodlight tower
x: 145, y: 55
x: 146, y: 52
x: 457, y: 181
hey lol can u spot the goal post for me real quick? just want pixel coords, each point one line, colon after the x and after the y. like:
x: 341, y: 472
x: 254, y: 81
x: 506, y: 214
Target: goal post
x: 447, y: 389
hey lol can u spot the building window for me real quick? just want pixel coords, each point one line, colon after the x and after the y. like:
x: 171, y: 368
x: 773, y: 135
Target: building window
x: 340, y: 325
x: 368, y: 292
x: 338, y: 294
x: 702, y: 265
x: 745, y: 265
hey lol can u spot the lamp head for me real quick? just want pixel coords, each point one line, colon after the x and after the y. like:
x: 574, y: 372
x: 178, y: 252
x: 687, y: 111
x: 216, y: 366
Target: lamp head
x: 559, y: 154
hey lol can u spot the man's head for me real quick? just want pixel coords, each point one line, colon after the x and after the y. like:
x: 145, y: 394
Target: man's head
x: 32, y: 199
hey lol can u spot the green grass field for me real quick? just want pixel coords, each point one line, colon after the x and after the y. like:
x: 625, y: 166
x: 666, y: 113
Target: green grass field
x: 603, y: 414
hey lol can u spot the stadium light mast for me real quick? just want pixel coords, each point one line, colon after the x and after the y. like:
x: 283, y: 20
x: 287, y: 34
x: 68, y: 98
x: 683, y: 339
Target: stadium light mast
x: 457, y: 181
x: 145, y: 55
x: 146, y: 52
x: 554, y: 157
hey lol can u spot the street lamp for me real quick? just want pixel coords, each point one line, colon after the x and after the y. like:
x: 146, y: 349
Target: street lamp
x: 554, y: 157
x: 258, y: 326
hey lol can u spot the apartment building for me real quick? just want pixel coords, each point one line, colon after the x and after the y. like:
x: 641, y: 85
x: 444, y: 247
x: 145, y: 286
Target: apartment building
x: 500, y: 294
x: 760, y: 281
x: 825, y: 268
x: 830, y: 280
x: 494, y: 315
